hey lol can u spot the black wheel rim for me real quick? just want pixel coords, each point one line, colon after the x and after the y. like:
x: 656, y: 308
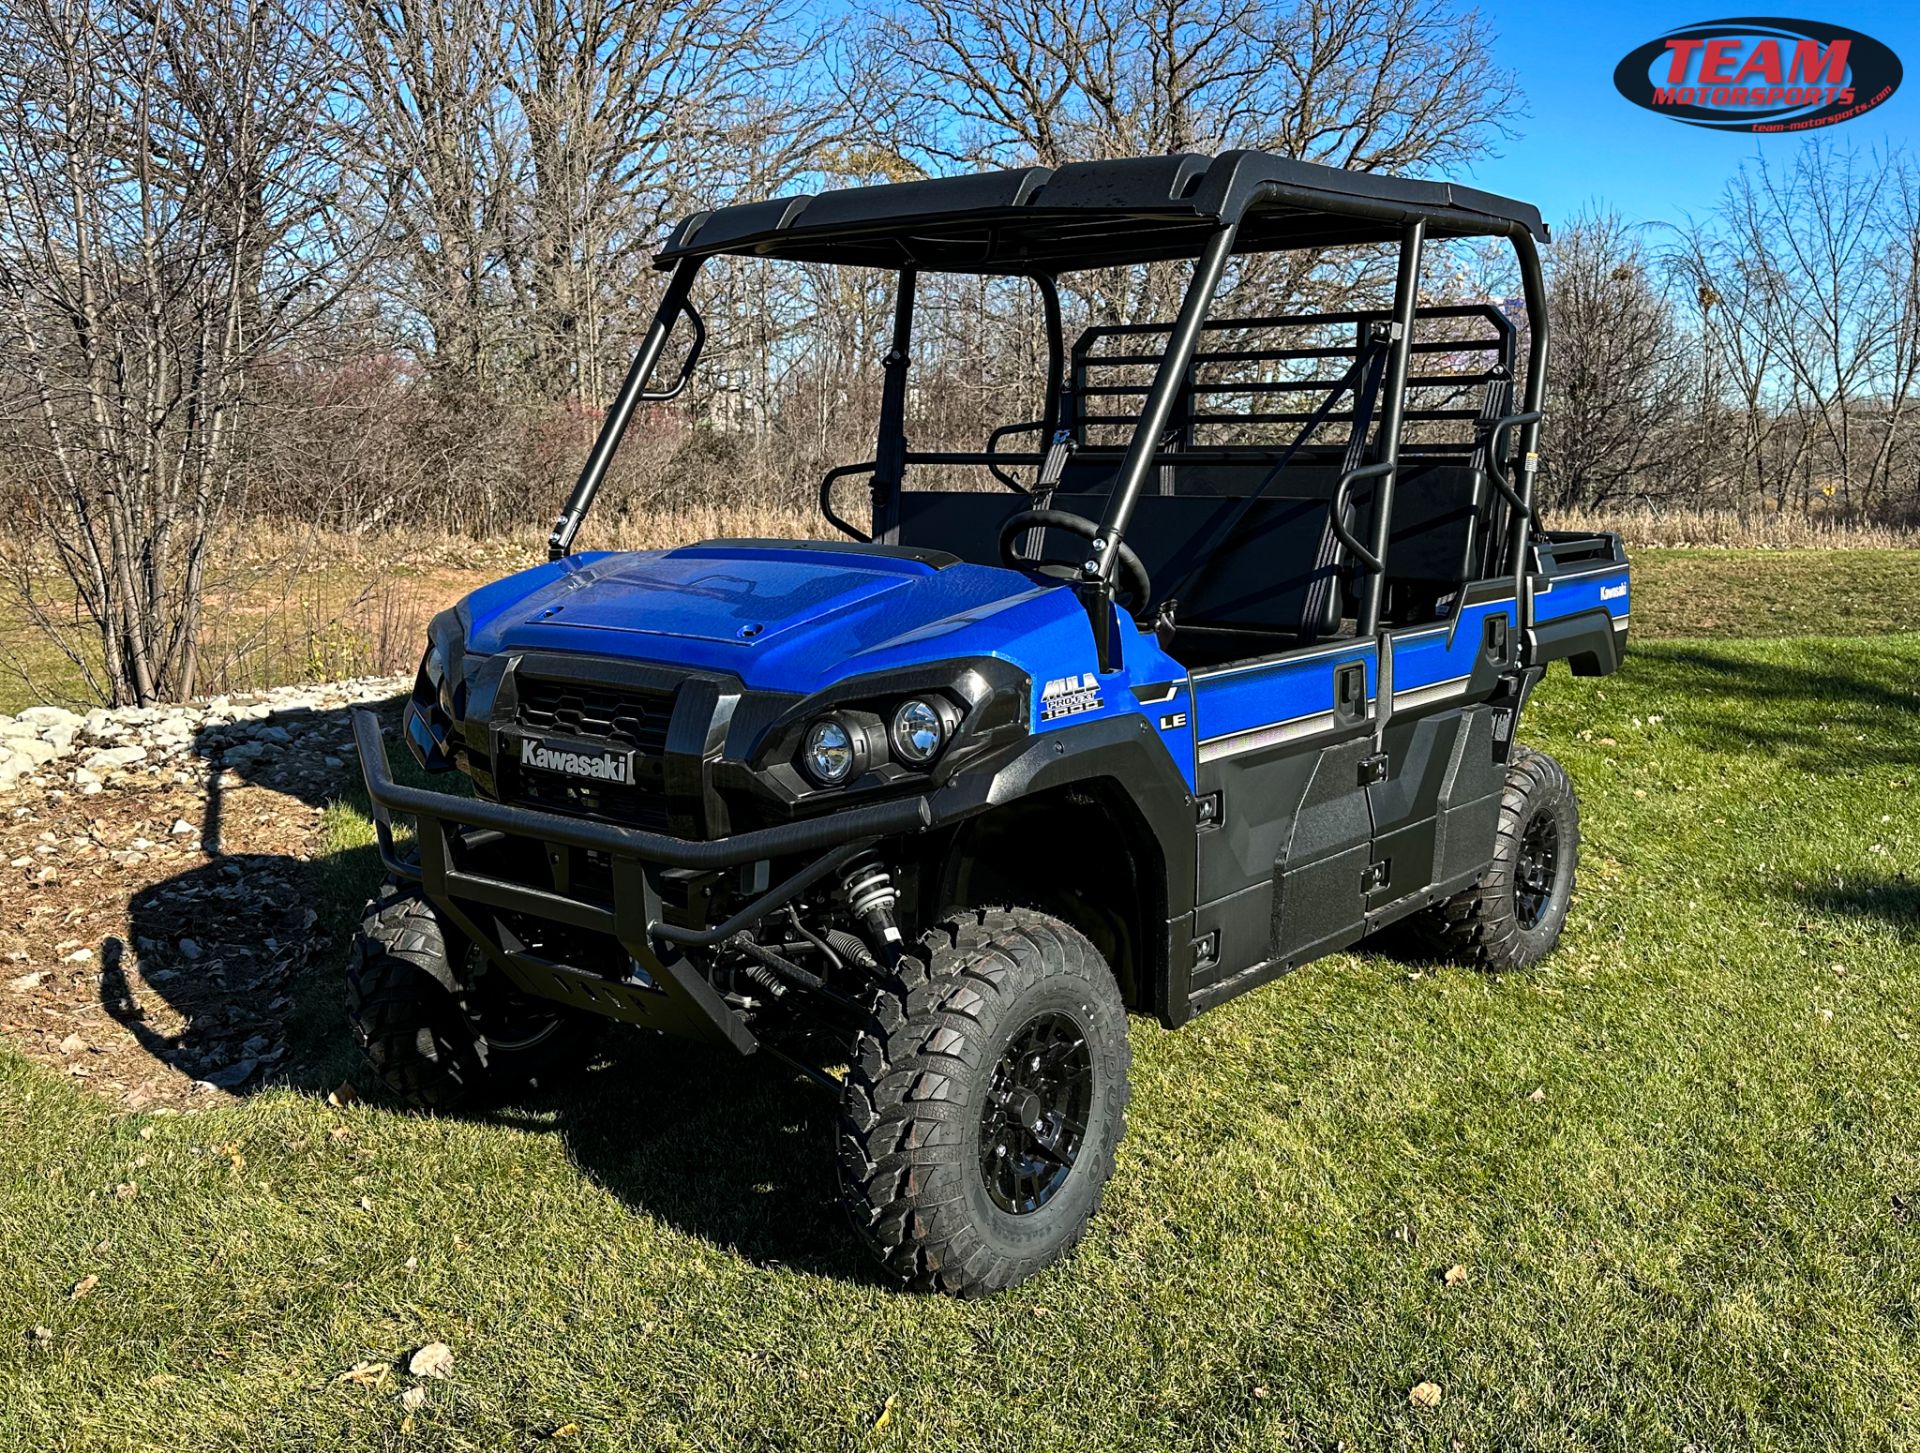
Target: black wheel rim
x: 1536, y: 869
x: 1034, y: 1121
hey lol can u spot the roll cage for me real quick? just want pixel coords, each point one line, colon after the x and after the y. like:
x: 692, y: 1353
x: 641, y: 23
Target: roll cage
x: 1037, y: 223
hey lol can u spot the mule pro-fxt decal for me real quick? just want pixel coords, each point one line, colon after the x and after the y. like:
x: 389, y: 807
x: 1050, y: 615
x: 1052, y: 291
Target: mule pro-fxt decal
x: 1065, y: 696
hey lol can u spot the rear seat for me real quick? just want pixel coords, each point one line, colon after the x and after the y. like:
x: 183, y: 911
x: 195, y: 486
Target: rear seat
x: 1439, y: 523
x: 1262, y: 579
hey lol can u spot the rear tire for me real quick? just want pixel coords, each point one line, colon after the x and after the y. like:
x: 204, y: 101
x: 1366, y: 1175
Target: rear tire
x: 1512, y: 918
x: 438, y: 1035
x: 987, y: 1092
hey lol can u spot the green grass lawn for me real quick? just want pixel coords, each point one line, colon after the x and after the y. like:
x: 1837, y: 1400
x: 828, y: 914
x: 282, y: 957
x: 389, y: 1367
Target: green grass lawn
x: 1774, y: 592
x: 1702, y: 1231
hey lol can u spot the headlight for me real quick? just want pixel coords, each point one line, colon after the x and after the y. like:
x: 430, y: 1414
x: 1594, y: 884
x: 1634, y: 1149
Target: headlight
x: 831, y: 752
x: 919, y: 731
x: 441, y: 669
x: 428, y: 720
x: 433, y: 665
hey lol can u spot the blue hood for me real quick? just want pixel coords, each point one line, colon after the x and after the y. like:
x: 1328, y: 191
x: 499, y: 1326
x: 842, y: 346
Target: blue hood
x: 780, y: 617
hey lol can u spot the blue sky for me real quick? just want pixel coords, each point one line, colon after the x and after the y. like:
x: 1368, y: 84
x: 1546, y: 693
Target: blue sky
x: 1582, y: 143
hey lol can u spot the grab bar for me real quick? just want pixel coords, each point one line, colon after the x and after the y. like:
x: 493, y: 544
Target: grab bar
x: 1372, y: 562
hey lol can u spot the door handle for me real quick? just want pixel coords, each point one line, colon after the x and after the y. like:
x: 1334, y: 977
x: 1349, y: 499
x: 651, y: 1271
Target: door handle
x: 1350, y: 691
x: 1494, y: 639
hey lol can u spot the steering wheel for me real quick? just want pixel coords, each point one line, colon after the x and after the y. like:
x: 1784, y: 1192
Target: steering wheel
x: 1133, y: 574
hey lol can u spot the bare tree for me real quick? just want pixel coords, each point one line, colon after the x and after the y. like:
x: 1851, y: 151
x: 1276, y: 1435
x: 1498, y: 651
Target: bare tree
x: 1809, y: 271
x: 443, y: 143
x: 1619, y: 385
x: 536, y: 152
x: 1370, y: 85
x: 1373, y: 85
x: 636, y: 110
x: 164, y: 223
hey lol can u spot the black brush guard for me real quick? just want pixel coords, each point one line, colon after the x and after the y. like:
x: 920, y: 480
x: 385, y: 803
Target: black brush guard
x: 660, y: 988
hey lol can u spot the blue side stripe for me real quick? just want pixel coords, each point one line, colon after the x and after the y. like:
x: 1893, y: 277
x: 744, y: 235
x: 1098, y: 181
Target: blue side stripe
x: 1609, y: 590
x: 1247, y: 699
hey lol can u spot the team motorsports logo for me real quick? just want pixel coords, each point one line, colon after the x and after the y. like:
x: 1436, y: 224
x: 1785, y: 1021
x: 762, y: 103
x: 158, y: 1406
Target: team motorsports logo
x: 1759, y: 74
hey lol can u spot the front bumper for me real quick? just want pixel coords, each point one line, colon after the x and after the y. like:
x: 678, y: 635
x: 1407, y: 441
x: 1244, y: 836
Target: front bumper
x: 660, y: 988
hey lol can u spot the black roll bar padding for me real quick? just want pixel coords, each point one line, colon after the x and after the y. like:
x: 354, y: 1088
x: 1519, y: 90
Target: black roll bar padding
x: 1369, y: 559
x: 835, y: 829
x: 1406, y: 298
x: 827, y: 482
x: 1533, y: 285
x: 633, y: 392
x: 1168, y: 380
x: 890, y: 444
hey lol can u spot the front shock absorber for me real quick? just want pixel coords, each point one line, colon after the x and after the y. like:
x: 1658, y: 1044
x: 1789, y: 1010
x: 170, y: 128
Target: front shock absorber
x: 868, y: 889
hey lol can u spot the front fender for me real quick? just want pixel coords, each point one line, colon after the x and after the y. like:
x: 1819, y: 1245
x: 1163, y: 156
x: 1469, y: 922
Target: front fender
x: 1127, y: 753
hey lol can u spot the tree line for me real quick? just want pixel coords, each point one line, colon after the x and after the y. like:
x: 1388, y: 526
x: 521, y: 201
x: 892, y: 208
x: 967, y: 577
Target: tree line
x: 1760, y: 357
x: 376, y: 264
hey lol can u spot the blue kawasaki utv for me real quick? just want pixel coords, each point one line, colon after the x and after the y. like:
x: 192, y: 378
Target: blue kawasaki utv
x: 1220, y: 673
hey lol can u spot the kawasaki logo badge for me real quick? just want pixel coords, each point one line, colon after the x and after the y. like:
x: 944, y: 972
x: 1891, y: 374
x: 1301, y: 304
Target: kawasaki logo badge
x: 1069, y: 696
x: 598, y: 763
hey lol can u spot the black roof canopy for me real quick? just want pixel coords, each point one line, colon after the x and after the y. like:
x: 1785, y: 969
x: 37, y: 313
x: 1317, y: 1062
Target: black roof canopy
x: 1096, y: 214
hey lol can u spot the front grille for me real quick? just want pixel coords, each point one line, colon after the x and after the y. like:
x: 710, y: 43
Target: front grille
x: 625, y: 716
x: 621, y: 716
x: 643, y: 805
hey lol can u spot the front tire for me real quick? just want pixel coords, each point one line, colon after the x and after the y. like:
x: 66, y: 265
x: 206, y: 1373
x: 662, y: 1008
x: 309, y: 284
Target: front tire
x: 438, y: 1035
x: 987, y: 1092
x: 1512, y: 918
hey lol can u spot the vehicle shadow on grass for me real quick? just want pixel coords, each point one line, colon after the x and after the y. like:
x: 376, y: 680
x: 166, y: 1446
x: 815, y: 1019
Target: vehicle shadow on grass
x: 241, y: 943
x: 736, y: 1152
x: 1808, y: 717
x: 1892, y: 900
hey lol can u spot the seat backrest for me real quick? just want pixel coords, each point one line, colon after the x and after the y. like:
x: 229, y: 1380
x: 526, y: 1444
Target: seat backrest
x: 1088, y: 472
x: 1439, y: 514
x: 1260, y: 578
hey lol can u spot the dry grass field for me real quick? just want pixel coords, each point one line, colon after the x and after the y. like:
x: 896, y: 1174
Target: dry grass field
x: 298, y: 606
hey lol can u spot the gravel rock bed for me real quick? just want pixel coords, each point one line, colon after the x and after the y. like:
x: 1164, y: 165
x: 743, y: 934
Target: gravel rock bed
x: 158, y: 930
x: 268, y: 734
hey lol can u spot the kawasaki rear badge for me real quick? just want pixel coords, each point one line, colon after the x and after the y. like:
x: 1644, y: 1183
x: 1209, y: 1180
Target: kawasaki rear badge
x: 1759, y: 74
x: 1069, y: 696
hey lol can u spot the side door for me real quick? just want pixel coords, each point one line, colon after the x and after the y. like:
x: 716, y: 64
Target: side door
x: 1435, y: 797
x: 1283, y: 822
